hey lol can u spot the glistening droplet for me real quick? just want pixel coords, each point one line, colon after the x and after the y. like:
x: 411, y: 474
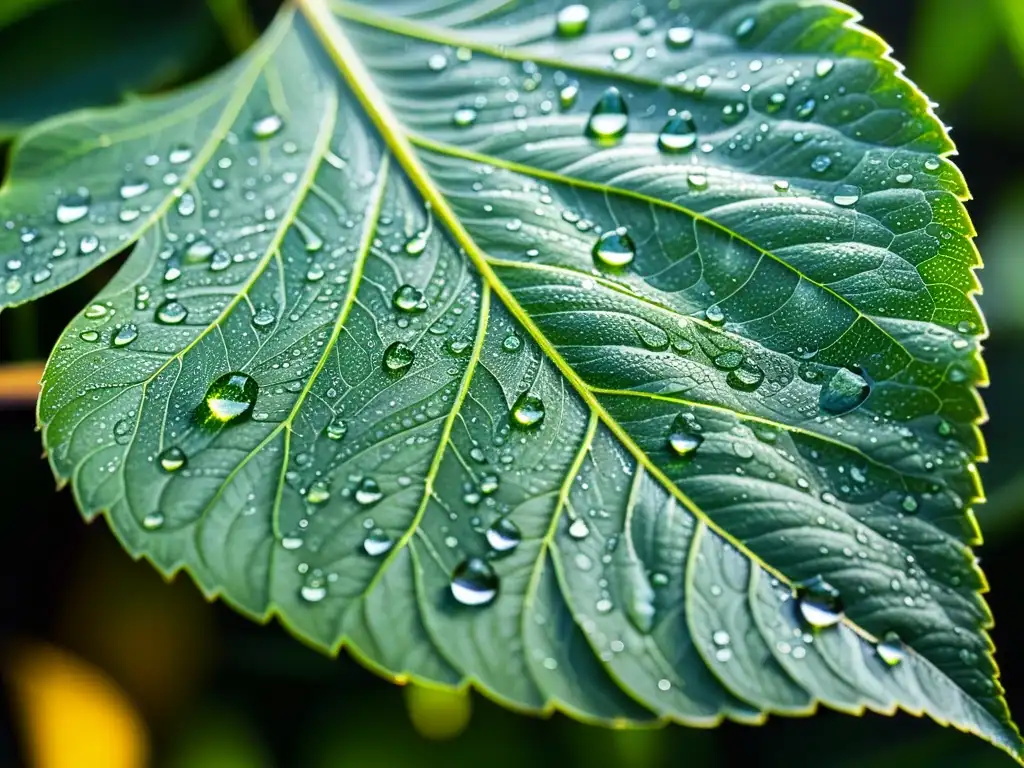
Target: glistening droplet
x: 614, y: 249
x: 678, y: 135
x: 609, y: 118
x: 398, y: 357
x: 173, y: 459
x: 474, y: 582
x: 844, y: 391
x: 819, y: 602
x: 229, y: 400
x: 527, y: 411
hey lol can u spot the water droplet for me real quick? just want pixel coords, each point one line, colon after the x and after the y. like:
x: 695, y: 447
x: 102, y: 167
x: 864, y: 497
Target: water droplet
x: 684, y: 439
x: 173, y: 459
x: 805, y: 110
x: 721, y: 638
x: 368, y: 492
x: 95, y: 312
x: 572, y: 20
x: 891, y: 649
x: 679, y: 134
x: 697, y: 181
x: 844, y: 391
x: 820, y: 603
x: 377, y: 543
x: 614, y: 249
x: 504, y: 535
x: 512, y: 342
x: 622, y: 53
x: 314, y: 591
x: 438, y: 62
x: 266, y: 127
x: 89, y: 336
x: 74, y: 207
x: 88, y: 245
x: 463, y: 117
x: 318, y: 493
x: 125, y: 335
x: 398, y: 357
x: 153, y: 521
x: 474, y: 582
x: 336, y: 429
x: 263, y: 318
x: 132, y: 188
x: 821, y: 163
x: 932, y: 164
x: 609, y: 118
x: 171, y: 312
x: 409, y: 298
x: 909, y: 504
x: 459, y: 347
x: 746, y: 378
x: 823, y: 67
x: 846, y: 195
x: 291, y: 543
x: 229, y: 399
x: 745, y: 27
x: 568, y: 94
x: 714, y: 315
x: 180, y: 154
x: 579, y: 529
x: 679, y: 37
x: 417, y: 244
x: 527, y: 411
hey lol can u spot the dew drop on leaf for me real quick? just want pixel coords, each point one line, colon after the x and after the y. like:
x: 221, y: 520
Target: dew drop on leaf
x: 890, y: 649
x: 819, y: 602
x: 504, y: 536
x: 463, y: 117
x: 125, y: 335
x: 368, y: 492
x: 266, y: 127
x: 73, y: 207
x: 153, y: 521
x: 679, y: 134
x: 318, y: 493
x: 846, y: 195
x: 512, y: 342
x: 572, y: 20
x: 609, y: 118
x: 377, y: 543
x: 173, y: 459
x: 679, y: 37
x: 409, y: 298
x: 614, y: 249
x: 229, y: 399
x: 171, y: 312
x: 398, y: 357
x: 263, y: 318
x: 474, y: 582
x: 844, y: 391
x: 684, y: 439
x: 527, y: 411
x: 337, y: 429
x: 132, y: 188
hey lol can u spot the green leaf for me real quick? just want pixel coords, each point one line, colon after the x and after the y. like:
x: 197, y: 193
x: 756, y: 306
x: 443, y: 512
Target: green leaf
x: 427, y: 349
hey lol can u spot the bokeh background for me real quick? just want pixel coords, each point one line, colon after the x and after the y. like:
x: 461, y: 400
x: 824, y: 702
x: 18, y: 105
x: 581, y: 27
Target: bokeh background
x: 104, y: 664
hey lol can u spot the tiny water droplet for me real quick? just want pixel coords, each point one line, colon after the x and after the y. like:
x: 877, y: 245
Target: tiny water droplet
x: 180, y: 154
x: 821, y: 163
x: 337, y: 429
x: 398, y: 357
x: 173, y: 459
x: 614, y: 249
x: 474, y: 582
x: 609, y: 118
x: 745, y: 27
x: 153, y: 521
x: 527, y: 411
x: 512, y: 342
x: 89, y: 336
x: 229, y: 399
x: 463, y: 117
x: 438, y: 62
x: 683, y: 439
x: 819, y: 602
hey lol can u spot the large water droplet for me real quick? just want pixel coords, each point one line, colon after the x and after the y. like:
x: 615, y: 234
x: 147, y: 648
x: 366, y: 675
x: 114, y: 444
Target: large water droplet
x: 463, y: 117
x: 171, y: 312
x: 266, y: 127
x: 337, y: 429
x: 132, y: 188
x: 409, y: 298
x: 229, y: 399
x: 173, y: 459
x: 504, y: 536
x: 819, y: 602
x: 153, y: 521
x: 891, y: 649
x: 417, y: 244
x: 572, y: 20
x: 125, y: 335
x: 527, y: 411
x: 398, y: 357
x: 614, y: 249
x: 844, y: 391
x: 474, y: 582
x: 846, y: 195
x: 679, y: 134
x: 263, y: 318
x: 377, y: 543
x: 313, y: 591
x: 609, y: 118
x: 684, y: 439
x: 679, y: 37
x: 368, y: 492
x: 746, y: 378
x: 73, y: 207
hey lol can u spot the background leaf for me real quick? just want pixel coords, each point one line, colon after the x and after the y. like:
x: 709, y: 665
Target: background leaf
x: 733, y: 346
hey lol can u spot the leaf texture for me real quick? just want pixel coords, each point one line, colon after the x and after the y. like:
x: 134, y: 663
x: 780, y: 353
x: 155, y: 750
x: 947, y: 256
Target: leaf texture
x: 580, y: 395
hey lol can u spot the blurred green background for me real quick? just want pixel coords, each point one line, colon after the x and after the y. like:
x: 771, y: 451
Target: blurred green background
x: 103, y: 664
